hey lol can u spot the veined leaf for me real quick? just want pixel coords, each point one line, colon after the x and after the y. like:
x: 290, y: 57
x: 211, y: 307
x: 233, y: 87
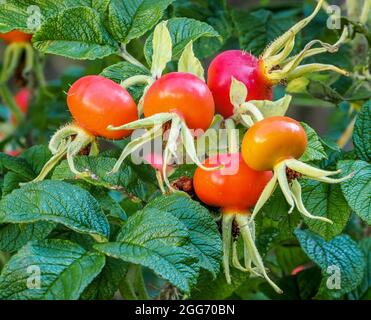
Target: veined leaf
x: 203, y: 232
x: 362, y: 133
x: 49, y: 270
x: 339, y: 257
x: 326, y: 201
x: 315, y: 150
x: 159, y: 241
x: 15, y: 236
x: 66, y: 35
x: 131, y: 19
x: 107, y: 283
x: 55, y: 201
x: 29, y: 15
x: 357, y: 190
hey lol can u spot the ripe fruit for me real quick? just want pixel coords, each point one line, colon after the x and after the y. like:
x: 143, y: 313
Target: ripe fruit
x: 272, y: 140
x: 235, y: 188
x: 276, y: 143
x: 184, y: 94
x: 245, y: 68
x: 96, y: 102
x: 179, y: 102
x: 260, y: 74
x: 22, y: 99
x: 230, y: 191
x: 15, y: 36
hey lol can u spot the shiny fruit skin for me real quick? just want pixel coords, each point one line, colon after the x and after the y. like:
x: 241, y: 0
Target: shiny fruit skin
x: 96, y: 102
x: 183, y: 93
x: 22, y: 99
x: 244, y: 67
x: 233, y: 193
x: 272, y: 140
x: 15, y: 36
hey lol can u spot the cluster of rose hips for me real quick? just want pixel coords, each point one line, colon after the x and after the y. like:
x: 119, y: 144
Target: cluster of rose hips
x: 236, y: 82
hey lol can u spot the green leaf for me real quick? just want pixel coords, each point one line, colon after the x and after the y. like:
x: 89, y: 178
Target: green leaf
x: 208, y: 288
x: 256, y: 30
x: 123, y: 70
x: 130, y: 19
x: 16, y: 165
x: 315, y: 150
x: 364, y: 289
x: 55, y: 201
x: 205, y: 237
x: 357, y: 190
x: 275, y: 215
x: 98, y: 166
x: 65, y: 270
x: 290, y: 257
x: 341, y: 253
x: 109, y: 205
x: 215, y: 13
x: 75, y: 33
x: 325, y: 200
x: 107, y: 283
x: 362, y: 133
x: 159, y: 241
x: 19, y: 14
x: 138, y: 180
x: 15, y: 236
x: 11, y: 182
x: 182, y: 31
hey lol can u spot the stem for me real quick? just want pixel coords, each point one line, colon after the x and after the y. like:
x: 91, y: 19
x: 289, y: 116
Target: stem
x: 134, y: 80
x: 12, y: 56
x: 133, y: 286
x: 39, y: 73
x: 9, y: 101
x: 347, y: 134
x: 30, y: 60
x: 129, y: 58
x: 160, y: 181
